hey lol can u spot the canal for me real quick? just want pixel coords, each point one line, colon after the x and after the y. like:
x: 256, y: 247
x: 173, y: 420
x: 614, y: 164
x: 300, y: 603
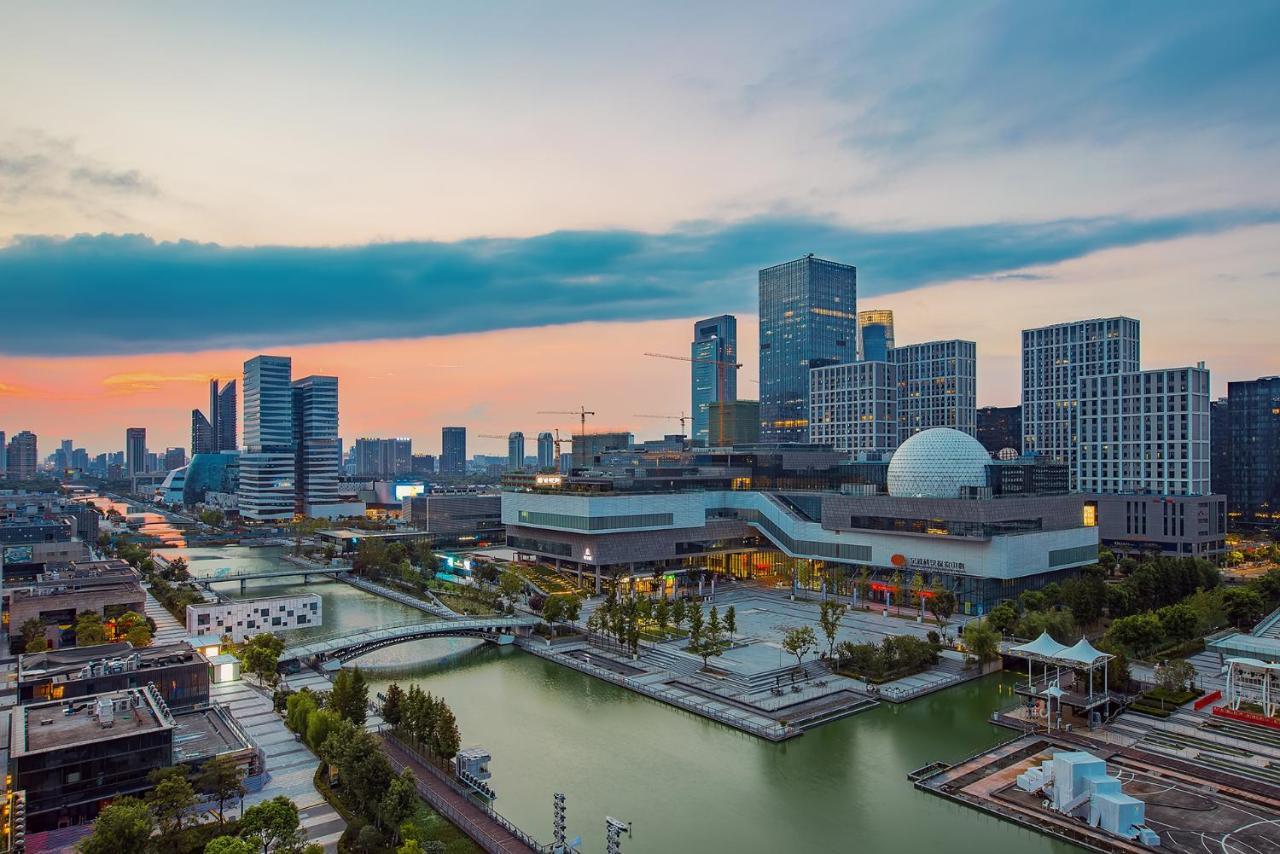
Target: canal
x: 687, y: 784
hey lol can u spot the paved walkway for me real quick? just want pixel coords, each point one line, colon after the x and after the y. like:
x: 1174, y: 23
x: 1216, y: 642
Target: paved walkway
x: 487, y: 832
x: 291, y: 767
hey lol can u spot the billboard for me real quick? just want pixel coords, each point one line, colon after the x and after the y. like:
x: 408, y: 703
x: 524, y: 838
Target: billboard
x: 17, y: 554
x: 408, y: 490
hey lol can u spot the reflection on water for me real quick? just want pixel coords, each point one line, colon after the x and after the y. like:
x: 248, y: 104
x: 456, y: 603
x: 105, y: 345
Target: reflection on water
x: 145, y: 522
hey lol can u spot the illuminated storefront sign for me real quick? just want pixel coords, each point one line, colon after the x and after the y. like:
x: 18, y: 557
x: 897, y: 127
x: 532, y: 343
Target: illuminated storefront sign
x: 927, y: 563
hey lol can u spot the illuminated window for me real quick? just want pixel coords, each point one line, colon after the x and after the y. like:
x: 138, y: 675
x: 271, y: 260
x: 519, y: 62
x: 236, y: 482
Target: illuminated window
x: 1090, y: 516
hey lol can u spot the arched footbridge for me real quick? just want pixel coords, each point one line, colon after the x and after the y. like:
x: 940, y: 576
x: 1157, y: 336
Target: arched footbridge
x: 355, y: 644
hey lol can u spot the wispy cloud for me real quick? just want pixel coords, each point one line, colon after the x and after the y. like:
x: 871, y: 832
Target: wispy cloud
x: 131, y: 383
x: 130, y: 294
x: 36, y: 167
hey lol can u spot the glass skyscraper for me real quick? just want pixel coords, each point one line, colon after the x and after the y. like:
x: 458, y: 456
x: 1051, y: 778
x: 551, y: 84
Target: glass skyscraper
x: 875, y: 331
x: 808, y: 319
x: 1254, y: 419
x: 453, y: 450
x: 267, y: 473
x: 715, y: 340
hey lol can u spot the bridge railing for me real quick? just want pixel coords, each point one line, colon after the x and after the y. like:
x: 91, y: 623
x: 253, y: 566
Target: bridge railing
x: 405, y: 631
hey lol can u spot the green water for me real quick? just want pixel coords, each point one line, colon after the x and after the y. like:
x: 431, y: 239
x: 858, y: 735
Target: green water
x: 687, y: 784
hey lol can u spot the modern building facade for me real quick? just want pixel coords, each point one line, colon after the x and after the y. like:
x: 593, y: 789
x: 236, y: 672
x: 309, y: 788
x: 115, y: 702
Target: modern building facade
x: 1144, y: 432
x: 713, y: 373
x: 808, y: 319
x: 1133, y: 525
x: 202, y: 436
x: 457, y: 518
x: 268, y: 475
x: 854, y: 407
x: 1254, y: 495
x: 21, y: 460
x: 741, y: 420
x: 1000, y: 427
x: 546, y: 451
x: 135, y: 450
x: 1220, y: 446
x: 384, y: 457
x: 180, y: 673
x: 174, y: 458
x: 937, y: 386
x: 515, y: 451
x: 315, y: 437
x: 453, y: 451
x: 875, y: 335
x: 590, y: 449
x: 1054, y: 361
x: 224, y: 420
x: 244, y: 618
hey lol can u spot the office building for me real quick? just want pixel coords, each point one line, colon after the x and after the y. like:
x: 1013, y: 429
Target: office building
x: 22, y: 456
x: 515, y: 451
x: 384, y: 457
x: 457, y: 518
x: 1135, y: 525
x: 1145, y: 432
x: 422, y: 464
x: 202, y: 441
x: 267, y: 466
x: 174, y: 458
x: 546, y: 451
x: 808, y: 319
x: 243, y: 618
x: 4, y: 456
x: 1255, y: 451
x: 713, y: 373
x: 1054, y: 361
x: 135, y: 450
x: 222, y: 417
x: 590, y: 449
x: 453, y: 451
x: 854, y: 407
x: 937, y: 387
x: 875, y: 335
x: 1000, y: 427
x: 315, y: 438
x: 180, y: 672
x: 1220, y: 447
x: 740, y: 420
x: 64, y: 452
x: 206, y: 479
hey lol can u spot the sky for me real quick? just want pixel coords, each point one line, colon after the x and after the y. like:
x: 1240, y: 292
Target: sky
x: 473, y: 212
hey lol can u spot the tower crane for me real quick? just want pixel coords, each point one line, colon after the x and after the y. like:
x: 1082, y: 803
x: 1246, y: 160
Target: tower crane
x: 721, y: 365
x: 582, y: 412
x: 682, y: 418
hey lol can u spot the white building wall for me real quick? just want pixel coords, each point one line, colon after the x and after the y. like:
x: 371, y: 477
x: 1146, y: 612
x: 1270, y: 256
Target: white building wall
x: 937, y: 386
x: 854, y: 407
x: 247, y: 617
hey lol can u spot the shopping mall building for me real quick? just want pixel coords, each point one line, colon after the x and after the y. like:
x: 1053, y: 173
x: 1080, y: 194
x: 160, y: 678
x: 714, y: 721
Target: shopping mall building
x: 806, y: 516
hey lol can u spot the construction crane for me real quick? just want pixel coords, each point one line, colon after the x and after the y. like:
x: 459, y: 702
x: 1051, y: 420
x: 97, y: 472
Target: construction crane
x: 682, y: 418
x: 582, y: 412
x: 721, y: 365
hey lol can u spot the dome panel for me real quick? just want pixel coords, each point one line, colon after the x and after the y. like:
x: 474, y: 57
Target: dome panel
x: 937, y: 463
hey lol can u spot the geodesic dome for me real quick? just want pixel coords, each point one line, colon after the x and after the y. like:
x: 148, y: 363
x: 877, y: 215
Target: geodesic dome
x: 937, y: 463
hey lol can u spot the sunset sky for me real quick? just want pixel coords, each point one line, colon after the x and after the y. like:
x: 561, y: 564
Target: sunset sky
x: 471, y: 212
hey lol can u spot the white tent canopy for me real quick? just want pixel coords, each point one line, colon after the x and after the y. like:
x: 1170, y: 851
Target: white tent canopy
x: 1042, y: 647
x: 1083, y: 653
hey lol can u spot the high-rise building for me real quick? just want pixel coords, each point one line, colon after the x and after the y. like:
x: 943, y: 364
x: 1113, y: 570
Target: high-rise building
x: 22, y: 456
x: 854, y: 407
x: 202, y: 441
x: 590, y: 448
x: 135, y: 450
x: 79, y: 457
x: 453, y: 451
x: 741, y: 420
x: 713, y: 371
x: 1054, y: 360
x: 267, y: 467
x: 875, y: 334
x: 1000, y: 427
x: 384, y: 457
x: 225, y: 424
x: 546, y: 451
x: 1220, y: 446
x: 65, y: 451
x: 423, y: 464
x: 515, y: 451
x: 937, y: 386
x: 1144, y: 432
x: 174, y: 458
x: 4, y: 456
x: 1254, y: 495
x: 315, y: 438
x: 808, y: 319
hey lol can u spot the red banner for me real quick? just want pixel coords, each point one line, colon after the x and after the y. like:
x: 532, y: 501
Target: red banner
x: 1247, y: 717
x: 1208, y: 700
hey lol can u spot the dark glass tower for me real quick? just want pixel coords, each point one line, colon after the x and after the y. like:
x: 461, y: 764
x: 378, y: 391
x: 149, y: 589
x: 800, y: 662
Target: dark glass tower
x: 808, y: 319
x: 453, y: 450
x: 1254, y: 408
x: 714, y: 352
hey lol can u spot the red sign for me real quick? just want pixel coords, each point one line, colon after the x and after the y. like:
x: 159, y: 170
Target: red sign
x: 898, y: 560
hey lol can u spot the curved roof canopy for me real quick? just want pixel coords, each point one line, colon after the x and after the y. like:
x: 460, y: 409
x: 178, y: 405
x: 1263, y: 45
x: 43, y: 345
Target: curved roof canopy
x: 1084, y: 653
x: 1042, y: 647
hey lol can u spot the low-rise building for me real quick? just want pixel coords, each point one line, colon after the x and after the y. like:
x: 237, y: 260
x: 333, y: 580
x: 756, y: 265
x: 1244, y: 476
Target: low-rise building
x: 56, y: 595
x: 180, y: 673
x: 1171, y: 525
x: 457, y: 518
x: 245, y: 618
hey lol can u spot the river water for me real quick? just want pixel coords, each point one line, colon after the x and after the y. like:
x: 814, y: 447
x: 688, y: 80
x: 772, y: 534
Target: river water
x: 686, y: 784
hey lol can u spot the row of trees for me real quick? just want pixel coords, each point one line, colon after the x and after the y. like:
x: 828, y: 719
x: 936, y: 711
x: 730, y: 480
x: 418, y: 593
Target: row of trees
x: 90, y: 630
x: 422, y: 719
x: 626, y: 618
x: 892, y: 658
x: 314, y: 715
x: 561, y: 609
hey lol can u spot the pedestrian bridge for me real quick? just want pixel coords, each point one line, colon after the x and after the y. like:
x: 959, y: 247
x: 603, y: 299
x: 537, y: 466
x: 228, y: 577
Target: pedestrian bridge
x: 305, y: 571
x: 355, y: 644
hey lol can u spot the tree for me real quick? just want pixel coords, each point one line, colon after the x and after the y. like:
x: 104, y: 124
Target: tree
x: 917, y: 587
x: 677, y: 613
x: 572, y: 607
x: 1243, y: 606
x: 982, y: 640
x: 695, y: 623
x: 125, y: 825
x: 511, y: 585
x: 1003, y: 617
x: 399, y: 802
x: 320, y: 724
x: 171, y: 799
x: 260, y: 655
x: 229, y: 845
x: 1138, y: 634
x: 89, y: 629
x: 350, y: 696
x: 730, y: 622
x: 942, y: 604
x: 222, y: 779
x: 830, y: 612
x: 392, y: 706
x: 273, y: 826
x: 33, y: 635
x: 1176, y: 676
x: 709, y: 641
x: 553, y: 611
x: 1179, y: 621
x: 662, y: 615
x: 298, y: 708
x: 134, y: 628
x: 799, y: 641
x: 176, y: 570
